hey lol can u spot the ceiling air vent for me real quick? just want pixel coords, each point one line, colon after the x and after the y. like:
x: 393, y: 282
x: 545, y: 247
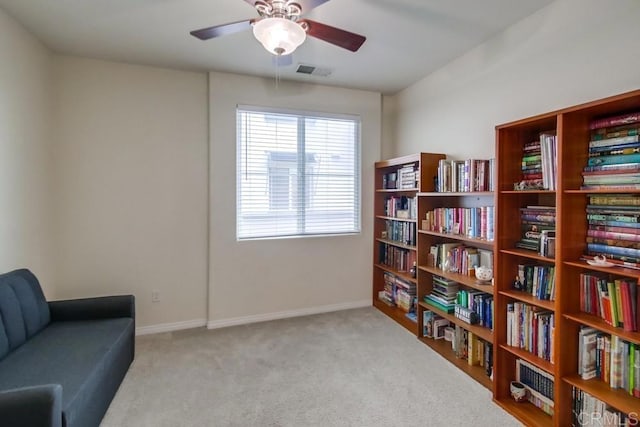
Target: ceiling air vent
x: 313, y: 70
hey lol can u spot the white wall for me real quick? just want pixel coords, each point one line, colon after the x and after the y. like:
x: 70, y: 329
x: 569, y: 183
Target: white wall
x: 264, y: 279
x: 130, y: 176
x: 25, y: 148
x: 570, y: 52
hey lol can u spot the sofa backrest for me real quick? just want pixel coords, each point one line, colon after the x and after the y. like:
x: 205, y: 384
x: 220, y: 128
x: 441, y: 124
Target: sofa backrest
x: 23, y: 309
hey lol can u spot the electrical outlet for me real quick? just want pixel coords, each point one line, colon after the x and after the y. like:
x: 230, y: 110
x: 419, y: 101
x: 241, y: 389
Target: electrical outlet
x: 155, y: 296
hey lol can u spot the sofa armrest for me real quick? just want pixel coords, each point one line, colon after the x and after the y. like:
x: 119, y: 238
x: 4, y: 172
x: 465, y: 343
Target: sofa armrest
x: 93, y: 308
x: 38, y: 406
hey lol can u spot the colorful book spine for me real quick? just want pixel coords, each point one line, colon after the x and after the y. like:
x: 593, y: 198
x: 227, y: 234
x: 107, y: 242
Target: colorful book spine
x: 623, y: 119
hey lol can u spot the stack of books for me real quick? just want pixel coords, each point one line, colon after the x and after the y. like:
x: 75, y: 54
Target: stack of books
x: 532, y: 165
x: 614, y: 153
x: 534, y: 220
x: 398, y: 292
x: 443, y: 295
x: 407, y: 175
x: 614, y: 228
x: 475, y: 307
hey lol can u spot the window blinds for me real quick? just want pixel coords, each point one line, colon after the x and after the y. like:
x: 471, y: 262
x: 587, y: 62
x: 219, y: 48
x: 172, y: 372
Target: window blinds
x: 298, y: 174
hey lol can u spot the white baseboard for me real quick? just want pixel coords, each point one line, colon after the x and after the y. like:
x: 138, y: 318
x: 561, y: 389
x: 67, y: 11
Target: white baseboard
x: 244, y: 320
x: 168, y: 327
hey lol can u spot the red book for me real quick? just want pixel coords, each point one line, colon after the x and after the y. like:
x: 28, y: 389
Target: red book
x: 637, y: 307
x: 628, y: 321
x: 615, y: 121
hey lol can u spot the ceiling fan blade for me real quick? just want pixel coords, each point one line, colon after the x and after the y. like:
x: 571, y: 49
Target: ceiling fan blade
x: 345, y: 39
x: 222, y: 30
x: 305, y: 5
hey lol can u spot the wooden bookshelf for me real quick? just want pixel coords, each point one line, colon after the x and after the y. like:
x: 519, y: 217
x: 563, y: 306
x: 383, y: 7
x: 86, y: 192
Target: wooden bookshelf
x: 482, y: 332
x: 571, y: 126
x: 425, y: 165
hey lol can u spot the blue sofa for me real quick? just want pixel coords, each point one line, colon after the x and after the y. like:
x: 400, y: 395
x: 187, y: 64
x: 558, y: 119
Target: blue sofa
x: 61, y: 362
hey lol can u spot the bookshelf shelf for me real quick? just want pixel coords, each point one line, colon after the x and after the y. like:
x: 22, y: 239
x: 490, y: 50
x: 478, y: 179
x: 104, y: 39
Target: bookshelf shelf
x: 468, y: 281
x: 402, y: 274
x: 619, y: 399
x: 456, y: 194
x: 618, y: 271
x: 462, y: 238
x: 525, y: 412
x: 516, y: 141
x: 397, y: 244
x: 598, y: 323
x: 482, y: 332
x: 391, y: 218
x: 526, y: 254
x: 443, y: 348
x: 529, y: 357
x: 397, y: 190
x: 396, y: 314
x: 529, y: 299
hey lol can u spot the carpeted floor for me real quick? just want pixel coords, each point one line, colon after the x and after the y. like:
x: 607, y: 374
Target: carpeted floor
x: 348, y: 368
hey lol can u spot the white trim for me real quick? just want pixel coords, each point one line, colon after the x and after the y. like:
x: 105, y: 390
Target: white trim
x: 168, y: 327
x: 244, y: 320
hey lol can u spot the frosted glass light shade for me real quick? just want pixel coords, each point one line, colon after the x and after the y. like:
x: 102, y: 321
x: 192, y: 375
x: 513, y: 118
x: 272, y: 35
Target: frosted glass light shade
x: 278, y: 35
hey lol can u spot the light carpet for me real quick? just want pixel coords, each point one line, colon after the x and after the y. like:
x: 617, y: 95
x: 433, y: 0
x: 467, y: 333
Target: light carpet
x: 348, y: 368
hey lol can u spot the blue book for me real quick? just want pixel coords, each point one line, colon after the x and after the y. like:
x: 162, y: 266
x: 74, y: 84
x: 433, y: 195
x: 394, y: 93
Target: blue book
x: 614, y: 160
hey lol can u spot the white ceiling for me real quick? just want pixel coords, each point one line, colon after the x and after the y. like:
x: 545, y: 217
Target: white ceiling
x: 406, y: 39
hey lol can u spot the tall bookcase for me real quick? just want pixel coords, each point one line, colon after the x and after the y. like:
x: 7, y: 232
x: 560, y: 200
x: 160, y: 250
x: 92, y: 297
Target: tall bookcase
x: 571, y: 126
x: 395, y: 210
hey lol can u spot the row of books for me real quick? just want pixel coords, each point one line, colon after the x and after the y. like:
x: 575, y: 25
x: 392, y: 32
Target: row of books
x: 398, y: 258
x: 539, y: 163
x: 465, y: 175
x: 401, y: 207
x: 455, y: 257
x: 614, y: 153
x: 443, y: 294
x: 398, y: 292
x: 404, y: 178
x: 474, y: 307
x: 535, y: 220
x: 400, y: 231
x: 614, y: 227
x: 590, y: 411
x: 610, y: 359
x: 475, y: 222
x: 538, y: 280
x: 531, y: 328
x: 539, y: 385
x: 616, y: 301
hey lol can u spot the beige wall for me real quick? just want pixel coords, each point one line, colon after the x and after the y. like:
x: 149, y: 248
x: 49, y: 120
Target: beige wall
x: 265, y: 279
x: 130, y: 176
x: 25, y: 149
x: 570, y: 52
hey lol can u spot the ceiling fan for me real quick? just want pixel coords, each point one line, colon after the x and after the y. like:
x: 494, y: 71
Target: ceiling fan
x: 280, y: 29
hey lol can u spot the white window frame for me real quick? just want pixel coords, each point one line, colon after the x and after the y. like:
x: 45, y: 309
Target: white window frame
x: 357, y: 171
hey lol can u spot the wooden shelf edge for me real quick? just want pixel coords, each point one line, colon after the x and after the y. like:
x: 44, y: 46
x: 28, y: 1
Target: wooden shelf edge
x: 529, y: 357
x: 603, y: 190
x: 468, y: 281
x: 525, y: 412
x: 391, y: 218
x: 619, y: 271
x: 460, y: 237
x: 397, y: 315
x: 529, y: 299
x: 527, y: 192
x: 401, y: 274
x: 598, y: 323
x: 397, y: 190
x: 397, y: 244
x: 619, y: 399
x: 527, y: 254
x: 443, y: 348
x: 480, y: 331
x: 455, y: 194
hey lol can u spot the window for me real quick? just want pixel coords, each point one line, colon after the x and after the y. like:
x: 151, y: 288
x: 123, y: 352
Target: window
x: 298, y: 174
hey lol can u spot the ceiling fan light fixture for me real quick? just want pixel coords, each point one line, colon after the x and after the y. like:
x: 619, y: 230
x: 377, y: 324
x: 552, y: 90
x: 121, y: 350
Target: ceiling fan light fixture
x: 279, y: 36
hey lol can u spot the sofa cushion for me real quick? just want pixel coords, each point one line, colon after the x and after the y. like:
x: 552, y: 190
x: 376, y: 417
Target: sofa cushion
x: 85, y: 357
x: 23, y: 309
